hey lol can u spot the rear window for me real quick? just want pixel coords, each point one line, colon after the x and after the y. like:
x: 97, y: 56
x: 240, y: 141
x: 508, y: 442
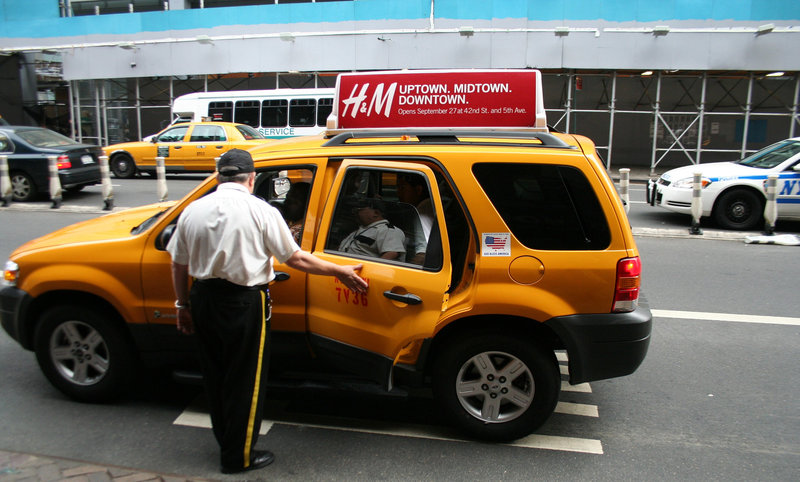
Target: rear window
x: 44, y: 138
x: 548, y: 207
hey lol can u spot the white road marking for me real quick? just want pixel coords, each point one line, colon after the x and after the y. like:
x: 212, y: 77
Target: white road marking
x: 579, y: 388
x: 581, y: 409
x: 731, y: 317
x: 564, y: 369
x: 193, y: 418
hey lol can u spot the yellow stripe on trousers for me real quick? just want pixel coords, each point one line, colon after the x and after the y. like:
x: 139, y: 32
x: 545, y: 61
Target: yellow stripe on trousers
x: 254, y: 402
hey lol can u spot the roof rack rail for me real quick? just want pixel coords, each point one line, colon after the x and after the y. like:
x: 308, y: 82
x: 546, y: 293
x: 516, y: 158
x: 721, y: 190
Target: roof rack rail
x: 426, y: 136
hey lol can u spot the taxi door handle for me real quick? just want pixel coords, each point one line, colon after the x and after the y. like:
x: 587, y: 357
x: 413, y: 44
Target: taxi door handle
x: 281, y: 276
x: 220, y: 147
x: 176, y: 147
x: 409, y: 299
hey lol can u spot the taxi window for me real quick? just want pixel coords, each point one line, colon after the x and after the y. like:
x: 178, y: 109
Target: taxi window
x: 274, y: 113
x: 546, y: 206
x: 288, y: 190
x: 386, y: 215
x: 207, y: 133
x: 176, y: 134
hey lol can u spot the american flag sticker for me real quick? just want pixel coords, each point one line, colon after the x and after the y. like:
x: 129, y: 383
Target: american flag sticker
x: 496, y: 244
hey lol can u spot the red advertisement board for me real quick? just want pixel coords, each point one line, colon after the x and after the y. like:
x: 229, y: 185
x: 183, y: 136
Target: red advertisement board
x: 439, y: 99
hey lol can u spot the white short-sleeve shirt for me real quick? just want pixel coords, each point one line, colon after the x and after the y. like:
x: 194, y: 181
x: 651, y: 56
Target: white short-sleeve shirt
x: 233, y: 235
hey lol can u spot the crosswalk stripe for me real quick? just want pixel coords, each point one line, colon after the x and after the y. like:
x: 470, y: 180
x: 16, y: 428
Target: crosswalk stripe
x: 192, y: 418
x: 581, y: 409
x: 731, y: 317
x: 579, y: 388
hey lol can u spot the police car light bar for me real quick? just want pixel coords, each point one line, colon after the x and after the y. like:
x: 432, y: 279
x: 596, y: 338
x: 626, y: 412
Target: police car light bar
x: 439, y: 99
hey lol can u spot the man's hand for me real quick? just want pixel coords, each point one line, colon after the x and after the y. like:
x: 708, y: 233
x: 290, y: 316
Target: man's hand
x: 350, y: 278
x: 185, y: 323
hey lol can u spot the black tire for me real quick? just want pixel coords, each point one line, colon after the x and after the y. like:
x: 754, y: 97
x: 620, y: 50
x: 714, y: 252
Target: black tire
x: 22, y: 187
x: 521, y: 403
x: 123, y: 166
x: 84, y: 353
x: 741, y: 209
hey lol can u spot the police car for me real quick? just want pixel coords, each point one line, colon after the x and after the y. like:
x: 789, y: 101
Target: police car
x: 734, y: 193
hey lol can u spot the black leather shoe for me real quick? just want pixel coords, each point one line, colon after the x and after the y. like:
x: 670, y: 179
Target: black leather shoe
x: 261, y: 458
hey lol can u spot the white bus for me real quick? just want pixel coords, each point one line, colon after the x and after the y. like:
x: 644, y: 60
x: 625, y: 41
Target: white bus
x: 276, y: 113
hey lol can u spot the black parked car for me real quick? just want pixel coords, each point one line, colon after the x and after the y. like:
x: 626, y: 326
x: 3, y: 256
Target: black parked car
x: 27, y: 149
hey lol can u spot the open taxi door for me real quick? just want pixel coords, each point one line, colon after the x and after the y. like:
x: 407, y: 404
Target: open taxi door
x: 369, y: 333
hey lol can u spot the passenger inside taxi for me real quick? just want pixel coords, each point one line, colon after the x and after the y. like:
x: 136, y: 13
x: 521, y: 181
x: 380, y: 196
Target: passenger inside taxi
x: 375, y: 236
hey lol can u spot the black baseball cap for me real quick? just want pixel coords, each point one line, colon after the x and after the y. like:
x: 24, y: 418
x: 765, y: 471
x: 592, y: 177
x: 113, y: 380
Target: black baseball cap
x: 235, y: 161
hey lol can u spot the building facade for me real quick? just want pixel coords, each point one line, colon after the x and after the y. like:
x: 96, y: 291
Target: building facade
x: 652, y: 83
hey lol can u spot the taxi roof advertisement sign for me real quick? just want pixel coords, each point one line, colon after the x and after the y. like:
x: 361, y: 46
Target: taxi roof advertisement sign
x: 508, y: 99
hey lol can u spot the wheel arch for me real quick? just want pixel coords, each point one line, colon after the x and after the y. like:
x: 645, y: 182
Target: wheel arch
x: 46, y: 301
x: 738, y: 187
x: 534, y: 330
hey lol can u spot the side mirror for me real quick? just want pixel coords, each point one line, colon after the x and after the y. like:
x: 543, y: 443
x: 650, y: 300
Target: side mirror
x: 164, y: 237
x: 154, y: 139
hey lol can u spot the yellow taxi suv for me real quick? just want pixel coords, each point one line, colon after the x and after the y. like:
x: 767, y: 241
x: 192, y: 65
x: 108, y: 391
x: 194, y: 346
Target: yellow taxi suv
x: 509, y: 244
x: 185, y: 147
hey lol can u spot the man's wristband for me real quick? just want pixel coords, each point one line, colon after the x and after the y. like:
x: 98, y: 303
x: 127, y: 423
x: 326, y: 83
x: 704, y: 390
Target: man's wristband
x: 181, y: 306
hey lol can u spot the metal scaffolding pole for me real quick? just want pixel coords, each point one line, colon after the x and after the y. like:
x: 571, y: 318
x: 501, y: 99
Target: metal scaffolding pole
x: 612, y: 108
x: 702, y: 119
x: 748, y: 106
x: 795, y: 118
x: 656, y: 115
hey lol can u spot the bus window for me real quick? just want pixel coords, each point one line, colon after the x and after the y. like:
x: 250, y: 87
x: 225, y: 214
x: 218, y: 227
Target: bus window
x: 246, y: 112
x: 324, y: 109
x: 220, y: 111
x: 274, y: 113
x: 302, y: 112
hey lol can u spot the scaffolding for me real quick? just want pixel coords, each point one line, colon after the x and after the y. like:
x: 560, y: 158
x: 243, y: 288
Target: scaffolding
x: 649, y: 119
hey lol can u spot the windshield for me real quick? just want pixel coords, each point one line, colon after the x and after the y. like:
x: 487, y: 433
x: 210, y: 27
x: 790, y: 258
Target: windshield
x: 773, y: 155
x: 45, y: 138
x: 249, y: 133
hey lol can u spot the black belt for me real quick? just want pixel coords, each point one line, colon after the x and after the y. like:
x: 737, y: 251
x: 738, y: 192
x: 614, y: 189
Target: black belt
x: 219, y: 283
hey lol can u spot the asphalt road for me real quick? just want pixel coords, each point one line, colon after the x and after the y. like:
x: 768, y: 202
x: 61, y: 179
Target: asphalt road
x: 715, y: 399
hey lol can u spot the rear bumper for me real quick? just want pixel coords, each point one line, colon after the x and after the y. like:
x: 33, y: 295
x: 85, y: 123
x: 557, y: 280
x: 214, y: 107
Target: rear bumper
x: 603, y: 346
x: 81, y: 176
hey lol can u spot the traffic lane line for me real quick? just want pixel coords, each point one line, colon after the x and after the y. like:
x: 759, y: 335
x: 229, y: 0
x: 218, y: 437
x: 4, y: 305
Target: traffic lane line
x: 730, y: 317
x: 199, y: 419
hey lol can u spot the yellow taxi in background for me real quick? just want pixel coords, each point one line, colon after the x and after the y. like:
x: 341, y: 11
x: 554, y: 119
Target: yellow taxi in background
x: 186, y: 147
x: 508, y: 244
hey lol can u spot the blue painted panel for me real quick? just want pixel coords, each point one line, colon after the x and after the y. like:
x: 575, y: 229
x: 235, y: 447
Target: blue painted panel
x: 39, y: 18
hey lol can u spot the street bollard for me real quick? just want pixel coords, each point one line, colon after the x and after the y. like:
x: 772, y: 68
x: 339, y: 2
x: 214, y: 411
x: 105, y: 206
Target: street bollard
x: 161, y: 173
x: 624, y: 183
x: 108, y: 190
x: 697, y: 203
x: 771, y: 209
x: 55, y: 182
x: 6, y: 192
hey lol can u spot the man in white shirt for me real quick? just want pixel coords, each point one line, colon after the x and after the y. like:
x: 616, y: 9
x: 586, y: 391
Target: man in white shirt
x: 226, y: 241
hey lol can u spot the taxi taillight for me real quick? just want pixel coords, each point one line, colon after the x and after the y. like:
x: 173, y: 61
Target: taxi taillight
x: 63, y: 162
x: 629, y: 278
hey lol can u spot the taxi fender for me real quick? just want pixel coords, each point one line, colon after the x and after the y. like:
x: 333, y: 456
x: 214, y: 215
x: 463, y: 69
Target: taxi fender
x: 86, y: 279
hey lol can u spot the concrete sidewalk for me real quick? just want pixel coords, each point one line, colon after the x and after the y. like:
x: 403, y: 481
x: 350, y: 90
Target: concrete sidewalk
x: 15, y: 466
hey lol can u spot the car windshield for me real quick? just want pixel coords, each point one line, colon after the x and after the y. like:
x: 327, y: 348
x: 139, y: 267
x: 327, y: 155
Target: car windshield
x: 773, y: 155
x: 45, y: 138
x: 249, y: 133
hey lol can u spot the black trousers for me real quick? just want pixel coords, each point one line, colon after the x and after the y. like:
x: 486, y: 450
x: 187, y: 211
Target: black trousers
x: 232, y: 326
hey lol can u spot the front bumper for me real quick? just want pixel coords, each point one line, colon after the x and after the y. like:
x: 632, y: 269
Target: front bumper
x: 603, y: 346
x: 13, y: 302
x: 673, y: 199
